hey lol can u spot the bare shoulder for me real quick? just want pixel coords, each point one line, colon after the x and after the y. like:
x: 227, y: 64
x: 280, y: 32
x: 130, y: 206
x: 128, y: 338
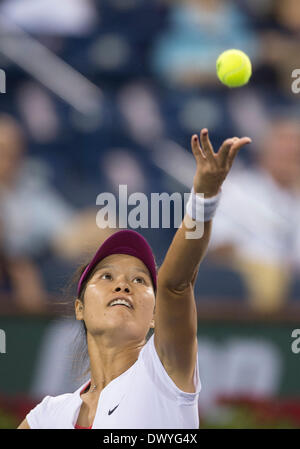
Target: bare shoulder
x: 24, y: 425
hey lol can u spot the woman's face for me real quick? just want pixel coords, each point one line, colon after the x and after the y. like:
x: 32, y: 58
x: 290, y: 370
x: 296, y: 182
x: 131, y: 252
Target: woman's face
x: 118, y: 276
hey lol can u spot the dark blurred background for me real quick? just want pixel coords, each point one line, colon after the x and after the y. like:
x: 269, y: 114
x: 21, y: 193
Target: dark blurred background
x: 106, y: 93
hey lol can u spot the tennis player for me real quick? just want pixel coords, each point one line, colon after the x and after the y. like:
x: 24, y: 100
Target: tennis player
x: 134, y: 382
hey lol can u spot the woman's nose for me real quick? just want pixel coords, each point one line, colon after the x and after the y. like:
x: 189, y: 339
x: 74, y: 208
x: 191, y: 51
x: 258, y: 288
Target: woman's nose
x: 122, y: 286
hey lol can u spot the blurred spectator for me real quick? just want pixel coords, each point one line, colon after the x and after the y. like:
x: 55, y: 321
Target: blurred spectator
x: 280, y: 42
x: 256, y: 228
x: 35, y: 218
x: 74, y: 17
x: 16, y: 267
x: 199, y: 31
x: 141, y: 113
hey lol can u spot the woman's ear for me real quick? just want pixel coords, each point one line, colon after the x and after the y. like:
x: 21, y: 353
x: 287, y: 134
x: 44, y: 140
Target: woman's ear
x: 78, y: 309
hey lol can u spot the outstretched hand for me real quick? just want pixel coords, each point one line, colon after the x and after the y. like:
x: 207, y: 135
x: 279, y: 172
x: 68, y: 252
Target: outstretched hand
x: 212, y: 168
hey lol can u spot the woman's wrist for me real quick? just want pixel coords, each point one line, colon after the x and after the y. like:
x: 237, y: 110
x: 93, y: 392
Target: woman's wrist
x: 201, y: 207
x: 211, y: 193
x: 208, y: 191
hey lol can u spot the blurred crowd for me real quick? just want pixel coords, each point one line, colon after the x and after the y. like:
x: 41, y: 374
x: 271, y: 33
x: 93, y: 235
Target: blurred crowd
x: 98, y: 92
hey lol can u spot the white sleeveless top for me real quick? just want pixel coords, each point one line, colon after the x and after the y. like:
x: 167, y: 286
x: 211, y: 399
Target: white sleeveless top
x: 143, y: 397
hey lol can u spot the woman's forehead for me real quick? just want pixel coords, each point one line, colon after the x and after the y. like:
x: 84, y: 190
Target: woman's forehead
x: 122, y: 261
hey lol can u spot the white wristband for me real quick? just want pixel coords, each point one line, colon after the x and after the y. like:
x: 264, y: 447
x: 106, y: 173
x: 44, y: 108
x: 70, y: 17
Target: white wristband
x: 200, y: 208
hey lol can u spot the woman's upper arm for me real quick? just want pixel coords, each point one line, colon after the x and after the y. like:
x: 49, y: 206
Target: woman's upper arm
x: 24, y: 425
x: 175, y: 334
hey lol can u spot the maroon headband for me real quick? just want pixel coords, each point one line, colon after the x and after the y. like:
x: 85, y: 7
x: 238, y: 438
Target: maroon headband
x: 123, y: 242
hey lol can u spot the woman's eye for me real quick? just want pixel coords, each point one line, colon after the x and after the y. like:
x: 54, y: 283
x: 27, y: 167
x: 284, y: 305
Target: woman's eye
x: 139, y: 280
x: 106, y: 276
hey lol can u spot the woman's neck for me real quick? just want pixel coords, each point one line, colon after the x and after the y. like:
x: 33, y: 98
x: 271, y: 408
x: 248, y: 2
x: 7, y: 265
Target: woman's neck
x: 108, y: 362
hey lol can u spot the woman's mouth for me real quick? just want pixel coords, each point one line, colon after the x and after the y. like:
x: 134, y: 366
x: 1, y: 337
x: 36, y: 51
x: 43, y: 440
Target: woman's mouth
x: 120, y: 302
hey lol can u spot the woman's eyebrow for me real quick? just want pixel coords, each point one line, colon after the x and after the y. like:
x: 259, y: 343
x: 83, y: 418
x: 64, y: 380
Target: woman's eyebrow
x: 142, y: 270
x: 97, y: 269
x: 139, y: 269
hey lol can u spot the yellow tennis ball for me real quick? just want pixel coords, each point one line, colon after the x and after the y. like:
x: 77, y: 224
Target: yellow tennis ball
x: 234, y: 68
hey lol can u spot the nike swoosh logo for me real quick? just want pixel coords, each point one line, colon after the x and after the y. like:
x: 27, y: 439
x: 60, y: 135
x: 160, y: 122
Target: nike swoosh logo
x: 111, y: 411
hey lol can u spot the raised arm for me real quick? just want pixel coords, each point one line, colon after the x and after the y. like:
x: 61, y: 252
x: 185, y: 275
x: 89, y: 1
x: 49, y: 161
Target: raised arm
x: 175, y: 314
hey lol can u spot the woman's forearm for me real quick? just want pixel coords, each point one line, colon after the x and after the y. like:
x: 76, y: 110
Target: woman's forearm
x: 182, y: 260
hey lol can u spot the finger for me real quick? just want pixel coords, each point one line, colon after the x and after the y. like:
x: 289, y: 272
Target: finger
x: 197, y: 151
x: 240, y: 143
x: 224, y: 151
x: 207, y: 146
